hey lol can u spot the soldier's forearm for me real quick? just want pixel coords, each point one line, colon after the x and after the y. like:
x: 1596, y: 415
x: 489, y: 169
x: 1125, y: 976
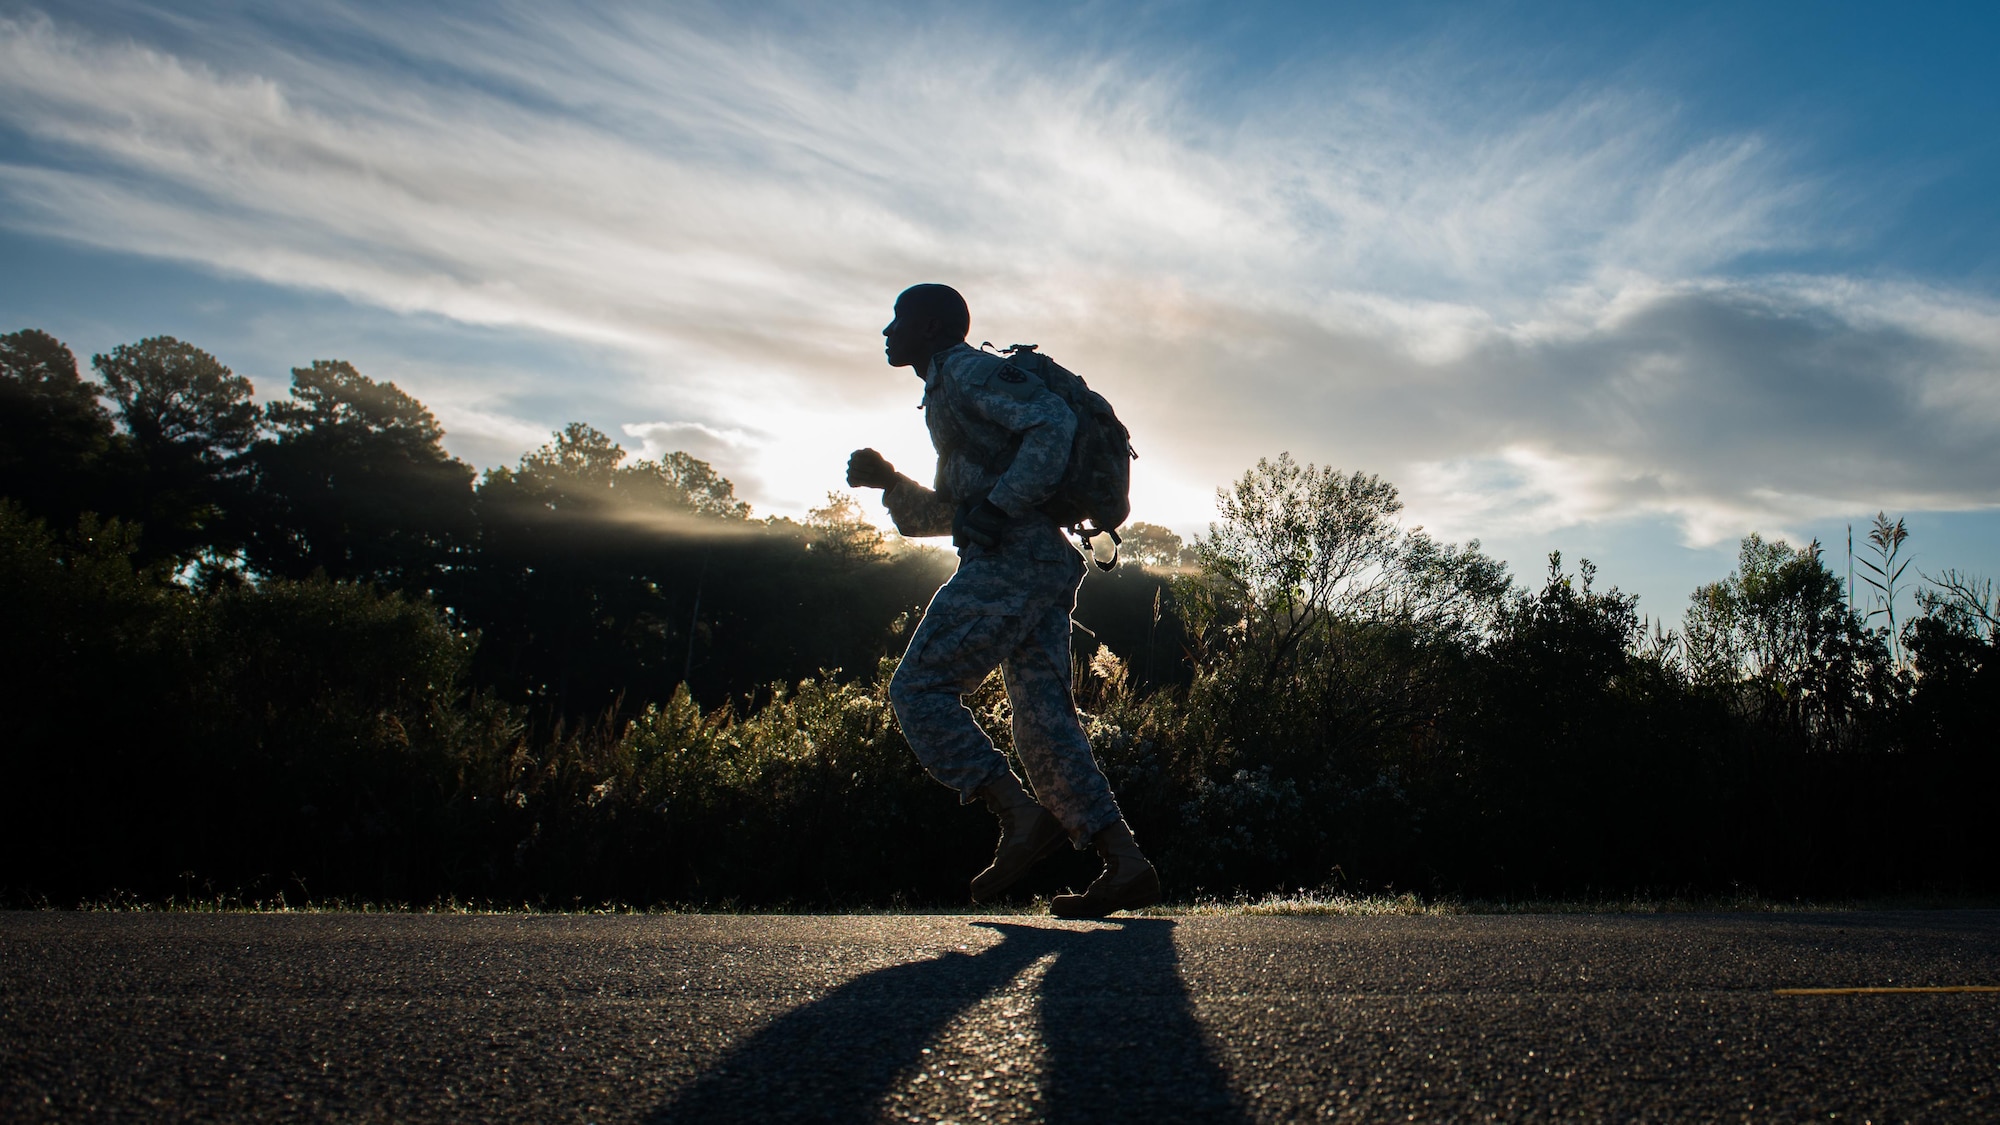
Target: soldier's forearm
x: 916, y: 511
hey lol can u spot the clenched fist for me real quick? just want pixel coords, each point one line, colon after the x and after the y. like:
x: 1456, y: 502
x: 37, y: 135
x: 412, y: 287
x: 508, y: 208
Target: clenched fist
x: 868, y: 469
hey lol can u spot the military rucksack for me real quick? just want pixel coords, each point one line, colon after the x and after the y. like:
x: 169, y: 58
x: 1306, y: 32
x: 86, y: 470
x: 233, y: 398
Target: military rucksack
x: 1095, y: 495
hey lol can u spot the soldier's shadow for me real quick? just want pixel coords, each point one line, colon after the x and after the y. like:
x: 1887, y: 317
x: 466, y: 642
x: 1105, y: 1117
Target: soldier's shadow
x: 1119, y: 1035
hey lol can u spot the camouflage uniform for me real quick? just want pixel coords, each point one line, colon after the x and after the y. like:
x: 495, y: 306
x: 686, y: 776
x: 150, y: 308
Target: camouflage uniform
x: 1008, y: 605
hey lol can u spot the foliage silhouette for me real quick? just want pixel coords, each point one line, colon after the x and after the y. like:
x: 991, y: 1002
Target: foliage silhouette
x: 188, y: 419
x: 352, y: 482
x: 58, y: 449
x: 299, y: 650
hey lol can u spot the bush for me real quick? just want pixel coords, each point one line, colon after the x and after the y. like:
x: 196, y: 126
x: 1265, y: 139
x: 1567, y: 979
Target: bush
x: 547, y: 688
x: 305, y: 735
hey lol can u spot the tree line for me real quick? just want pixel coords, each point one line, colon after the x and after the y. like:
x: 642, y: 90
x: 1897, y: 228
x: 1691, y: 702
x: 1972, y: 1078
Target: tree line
x: 299, y: 649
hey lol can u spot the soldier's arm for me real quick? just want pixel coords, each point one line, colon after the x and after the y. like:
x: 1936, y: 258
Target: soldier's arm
x: 917, y: 511
x: 1045, y: 424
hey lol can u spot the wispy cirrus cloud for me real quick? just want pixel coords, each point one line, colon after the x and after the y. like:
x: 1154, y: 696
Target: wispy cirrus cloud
x: 1529, y: 312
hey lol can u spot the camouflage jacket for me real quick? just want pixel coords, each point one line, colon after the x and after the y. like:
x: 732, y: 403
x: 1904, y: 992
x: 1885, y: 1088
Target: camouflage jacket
x: 1000, y: 435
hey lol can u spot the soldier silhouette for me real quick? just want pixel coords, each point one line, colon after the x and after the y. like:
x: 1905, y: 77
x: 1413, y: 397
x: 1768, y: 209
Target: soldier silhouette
x: 1007, y: 606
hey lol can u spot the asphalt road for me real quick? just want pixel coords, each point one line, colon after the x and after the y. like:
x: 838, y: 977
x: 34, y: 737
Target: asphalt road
x: 159, y: 1017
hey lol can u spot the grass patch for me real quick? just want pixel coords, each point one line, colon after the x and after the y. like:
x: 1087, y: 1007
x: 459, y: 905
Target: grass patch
x: 1319, y: 903
x: 1298, y: 904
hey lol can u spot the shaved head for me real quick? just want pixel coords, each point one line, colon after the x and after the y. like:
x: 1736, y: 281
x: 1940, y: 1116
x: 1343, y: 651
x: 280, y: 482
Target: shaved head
x: 929, y: 318
x: 940, y: 303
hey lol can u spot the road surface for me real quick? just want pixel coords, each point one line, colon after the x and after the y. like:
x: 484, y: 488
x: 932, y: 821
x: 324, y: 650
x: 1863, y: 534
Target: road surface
x: 396, y: 1018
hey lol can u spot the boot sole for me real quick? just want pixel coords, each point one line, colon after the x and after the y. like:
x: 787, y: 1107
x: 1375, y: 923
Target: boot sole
x: 984, y: 892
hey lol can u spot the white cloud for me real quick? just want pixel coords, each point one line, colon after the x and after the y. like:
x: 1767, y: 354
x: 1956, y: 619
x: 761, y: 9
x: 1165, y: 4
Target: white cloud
x: 706, y: 442
x: 1525, y: 314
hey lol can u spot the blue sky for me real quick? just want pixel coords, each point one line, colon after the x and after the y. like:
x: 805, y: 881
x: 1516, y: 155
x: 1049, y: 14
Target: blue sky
x: 1625, y: 281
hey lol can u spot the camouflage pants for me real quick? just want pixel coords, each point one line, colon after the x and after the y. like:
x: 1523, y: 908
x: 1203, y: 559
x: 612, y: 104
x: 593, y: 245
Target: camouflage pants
x: 950, y: 655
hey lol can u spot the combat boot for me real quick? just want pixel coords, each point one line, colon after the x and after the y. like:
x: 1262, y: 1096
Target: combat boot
x: 1128, y: 882
x: 1028, y: 832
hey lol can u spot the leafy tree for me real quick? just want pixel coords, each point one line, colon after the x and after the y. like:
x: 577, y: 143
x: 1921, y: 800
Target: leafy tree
x: 838, y: 531
x: 353, y: 482
x: 582, y: 472
x: 1445, y: 589
x: 1780, y: 626
x: 562, y: 590
x: 686, y: 480
x: 1149, y: 544
x: 1963, y: 604
x: 598, y: 580
x: 1955, y: 649
x: 1323, y: 665
x: 1558, y: 769
x: 1298, y: 546
x: 189, y: 419
x: 580, y: 457
x: 1295, y: 544
x: 1329, y: 697
x: 270, y: 736
x: 57, y: 444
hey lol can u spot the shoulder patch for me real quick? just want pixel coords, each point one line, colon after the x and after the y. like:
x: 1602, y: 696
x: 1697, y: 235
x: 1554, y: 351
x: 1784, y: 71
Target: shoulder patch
x: 1019, y: 382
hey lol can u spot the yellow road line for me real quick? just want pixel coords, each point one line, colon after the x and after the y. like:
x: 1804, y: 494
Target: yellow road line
x: 1864, y: 991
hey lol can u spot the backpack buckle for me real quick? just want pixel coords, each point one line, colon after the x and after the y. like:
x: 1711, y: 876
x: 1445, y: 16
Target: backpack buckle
x: 1088, y: 534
